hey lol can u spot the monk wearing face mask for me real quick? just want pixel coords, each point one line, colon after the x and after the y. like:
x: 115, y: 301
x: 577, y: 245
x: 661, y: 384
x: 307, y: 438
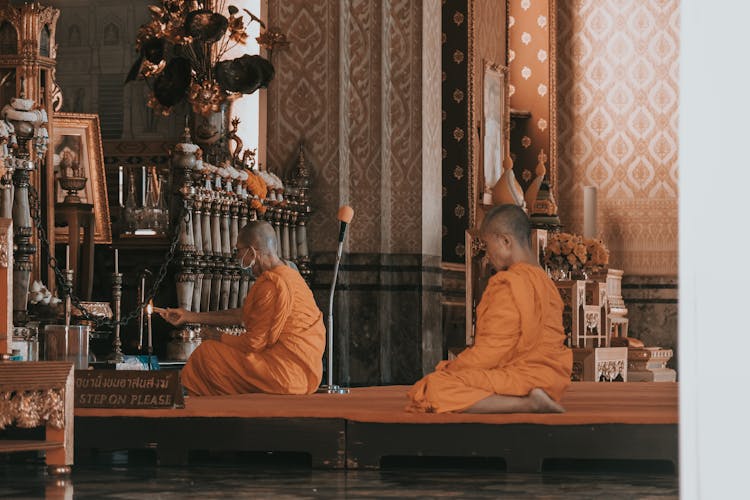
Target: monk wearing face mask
x: 282, y: 348
x: 518, y: 363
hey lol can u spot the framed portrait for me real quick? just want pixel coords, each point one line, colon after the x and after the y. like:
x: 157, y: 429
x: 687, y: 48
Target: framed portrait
x: 77, y: 149
x: 495, y: 125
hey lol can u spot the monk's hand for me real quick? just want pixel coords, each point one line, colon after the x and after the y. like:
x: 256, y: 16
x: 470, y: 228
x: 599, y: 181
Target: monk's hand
x: 177, y: 316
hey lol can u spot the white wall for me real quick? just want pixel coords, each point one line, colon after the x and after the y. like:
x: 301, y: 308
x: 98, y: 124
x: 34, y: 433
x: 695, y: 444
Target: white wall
x: 247, y: 107
x: 714, y: 300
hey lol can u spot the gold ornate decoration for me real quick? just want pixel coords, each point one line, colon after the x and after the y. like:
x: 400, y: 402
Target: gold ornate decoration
x: 472, y: 178
x: 182, y: 51
x: 98, y: 309
x: 532, y: 192
x: 29, y: 409
x: 552, y: 30
x: 271, y: 39
x: 4, y: 260
x: 32, y: 66
x: 6, y: 416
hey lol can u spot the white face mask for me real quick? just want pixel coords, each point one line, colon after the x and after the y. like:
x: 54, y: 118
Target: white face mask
x: 252, y: 262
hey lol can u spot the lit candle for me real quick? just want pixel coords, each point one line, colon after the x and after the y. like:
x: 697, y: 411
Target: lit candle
x: 67, y: 256
x: 589, y: 212
x: 149, y: 310
x: 120, y: 181
x: 117, y: 261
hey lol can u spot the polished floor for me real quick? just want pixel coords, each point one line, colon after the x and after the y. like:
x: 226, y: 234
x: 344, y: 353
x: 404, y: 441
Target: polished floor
x: 280, y: 480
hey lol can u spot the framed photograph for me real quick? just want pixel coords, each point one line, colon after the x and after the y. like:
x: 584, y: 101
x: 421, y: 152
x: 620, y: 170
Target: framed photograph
x: 77, y: 148
x: 495, y: 125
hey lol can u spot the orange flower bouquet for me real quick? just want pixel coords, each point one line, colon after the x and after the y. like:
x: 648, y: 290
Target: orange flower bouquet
x: 597, y: 255
x: 257, y: 188
x: 256, y: 185
x: 565, y: 252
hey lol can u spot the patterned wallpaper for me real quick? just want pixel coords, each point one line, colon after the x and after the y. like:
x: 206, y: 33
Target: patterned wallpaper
x: 455, y: 115
x: 432, y: 213
x: 531, y: 62
x: 303, y: 104
x: 618, y: 97
x: 351, y: 85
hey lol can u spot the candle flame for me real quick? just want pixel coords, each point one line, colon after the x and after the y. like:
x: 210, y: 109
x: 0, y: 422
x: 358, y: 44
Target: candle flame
x: 150, y: 307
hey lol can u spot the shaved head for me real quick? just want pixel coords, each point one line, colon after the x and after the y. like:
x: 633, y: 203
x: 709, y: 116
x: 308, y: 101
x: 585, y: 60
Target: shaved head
x: 260, y: 235
x: 510, y: 220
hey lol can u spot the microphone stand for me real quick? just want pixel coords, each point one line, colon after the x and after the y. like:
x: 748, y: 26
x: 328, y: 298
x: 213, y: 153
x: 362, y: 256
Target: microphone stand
x: 332, y: 388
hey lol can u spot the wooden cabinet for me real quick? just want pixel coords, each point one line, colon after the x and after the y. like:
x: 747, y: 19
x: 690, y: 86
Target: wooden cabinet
x: 34, y: 394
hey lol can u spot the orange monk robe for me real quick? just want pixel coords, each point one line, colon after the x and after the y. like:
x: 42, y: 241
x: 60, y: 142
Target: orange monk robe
x: 281, y: 351
x: 518, y: 346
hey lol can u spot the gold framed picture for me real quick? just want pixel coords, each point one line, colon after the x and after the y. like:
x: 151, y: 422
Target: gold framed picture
x: 496, y: 127
x: 77, y: 147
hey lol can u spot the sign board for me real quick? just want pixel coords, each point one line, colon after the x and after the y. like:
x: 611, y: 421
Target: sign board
x: 128, y: 389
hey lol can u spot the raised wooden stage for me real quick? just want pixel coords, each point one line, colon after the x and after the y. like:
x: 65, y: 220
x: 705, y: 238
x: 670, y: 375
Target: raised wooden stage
x: 621, y: 421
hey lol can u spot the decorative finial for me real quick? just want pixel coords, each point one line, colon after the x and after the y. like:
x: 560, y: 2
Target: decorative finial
x: 185, y: 137
x: 508, y: 159
x: 232, y: 136
x: 508, y: 191
x: 301, y: 158
x: 533, y: 190
x: 542, y: 159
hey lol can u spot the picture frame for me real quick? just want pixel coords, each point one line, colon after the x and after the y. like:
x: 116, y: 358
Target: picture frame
x: 76, y: 137
x: 495, y: 128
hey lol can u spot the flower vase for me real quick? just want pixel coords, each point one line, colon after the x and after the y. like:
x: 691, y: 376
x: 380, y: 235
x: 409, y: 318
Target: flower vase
x: 210, y: 133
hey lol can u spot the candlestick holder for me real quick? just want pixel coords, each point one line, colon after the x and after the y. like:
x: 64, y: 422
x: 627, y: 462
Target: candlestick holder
x: 117, y: 356
x: 68, y: 310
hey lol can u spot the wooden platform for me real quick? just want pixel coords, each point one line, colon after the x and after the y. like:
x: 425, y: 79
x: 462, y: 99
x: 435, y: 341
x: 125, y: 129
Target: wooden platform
x: 636, y: 421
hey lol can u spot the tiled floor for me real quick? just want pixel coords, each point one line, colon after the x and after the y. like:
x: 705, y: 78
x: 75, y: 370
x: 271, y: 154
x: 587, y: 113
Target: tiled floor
x: 253, y: 481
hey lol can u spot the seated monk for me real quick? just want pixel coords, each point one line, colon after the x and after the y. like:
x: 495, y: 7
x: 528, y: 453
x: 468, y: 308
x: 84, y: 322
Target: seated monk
x: 282, y: 348
x: 518, y: 363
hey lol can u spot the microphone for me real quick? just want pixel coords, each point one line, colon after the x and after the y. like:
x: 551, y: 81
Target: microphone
x: 346, y: 213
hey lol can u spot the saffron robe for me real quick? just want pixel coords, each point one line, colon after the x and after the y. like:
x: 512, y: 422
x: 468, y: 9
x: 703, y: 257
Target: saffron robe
x: 518, y: 346
x: 281, y: 351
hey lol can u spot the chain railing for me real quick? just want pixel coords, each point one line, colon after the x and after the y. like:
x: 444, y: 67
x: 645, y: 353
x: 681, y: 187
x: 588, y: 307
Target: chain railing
x: 62, y: 282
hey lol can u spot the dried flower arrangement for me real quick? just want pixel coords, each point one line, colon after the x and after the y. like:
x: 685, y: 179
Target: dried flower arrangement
x: 181, y: 50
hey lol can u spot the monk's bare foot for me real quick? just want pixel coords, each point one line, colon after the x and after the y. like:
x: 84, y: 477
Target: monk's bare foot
x: 542, y: 403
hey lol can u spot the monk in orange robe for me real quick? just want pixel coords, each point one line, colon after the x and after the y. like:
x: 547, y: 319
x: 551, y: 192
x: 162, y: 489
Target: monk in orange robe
x: 282, y: 349
x: 518, y: 363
